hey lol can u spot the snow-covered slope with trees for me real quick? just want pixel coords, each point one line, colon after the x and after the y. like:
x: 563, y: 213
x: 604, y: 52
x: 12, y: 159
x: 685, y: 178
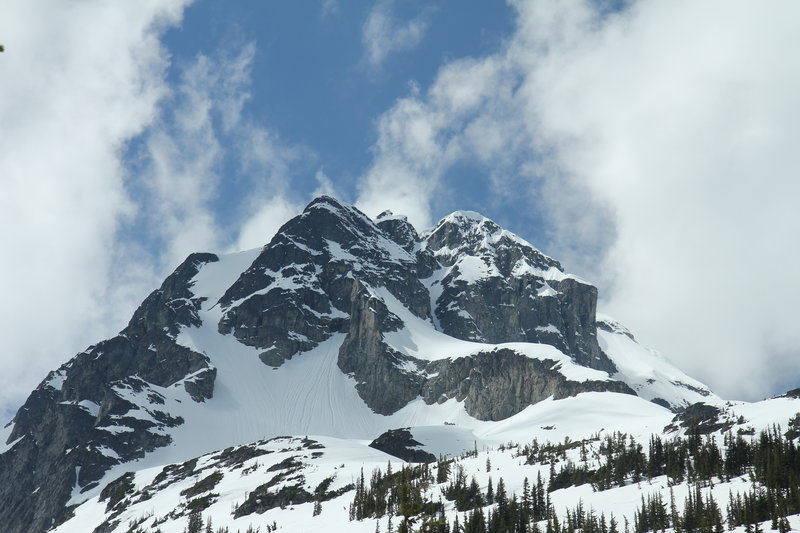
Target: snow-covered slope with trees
x: 551, y: 467
x: 339, y: 330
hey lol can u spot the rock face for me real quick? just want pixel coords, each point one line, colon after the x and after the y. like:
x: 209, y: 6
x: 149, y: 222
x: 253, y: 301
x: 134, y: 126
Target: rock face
x: 401, y: 444
x: 700, y: 418
x: 329, y: 271
x: 501, y: 383
x: 103, y: 407
x: 377, y: 368
x: 495, y: 287
x: 300, y: 290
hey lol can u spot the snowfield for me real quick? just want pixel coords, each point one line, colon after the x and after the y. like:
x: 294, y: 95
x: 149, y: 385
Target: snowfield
x: 284, y: 449
x: 489, y: 451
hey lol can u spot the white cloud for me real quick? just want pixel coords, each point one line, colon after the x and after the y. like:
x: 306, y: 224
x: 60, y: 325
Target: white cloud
x: 203, y: 144
x: 78, y: 81
x: 408, y: 158
x: 324, y: 185
x: 653, y: 139
x: 264, y: 223
x: 329, y: 8
x: 384, y: 34
x: 94, y: 229
x: 268, y: 166
x: 688, y: 130
x: 423, y: 135
x: 185, y: 153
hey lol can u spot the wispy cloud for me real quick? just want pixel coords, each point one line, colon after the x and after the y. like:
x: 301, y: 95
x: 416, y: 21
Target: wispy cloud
x: 661, y: 146
x: 269, y: 167
x: 203, y: 144
x: 467, y: 114
x: 330, y: 8
x: 185, y: 156
x: 384, y: 33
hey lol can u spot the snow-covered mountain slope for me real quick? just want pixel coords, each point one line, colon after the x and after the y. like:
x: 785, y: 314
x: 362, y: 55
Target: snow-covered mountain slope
x: 310, y: 483
x: 342, y: 327
x: 306, y: 461
x: 652, y: 376
x: 496, y: 287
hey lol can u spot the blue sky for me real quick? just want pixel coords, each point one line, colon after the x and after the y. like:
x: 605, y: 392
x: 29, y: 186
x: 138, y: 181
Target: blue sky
x: 649, y: 150
x: 313, y: 83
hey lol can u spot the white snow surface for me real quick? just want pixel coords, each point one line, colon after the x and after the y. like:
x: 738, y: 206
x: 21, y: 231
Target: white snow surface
x: 578, y: 417
x: 213, y: 279
x: 342, y: 459
x: 647, y: 372
x: 5, y: 434
x: 587, y: 416
x: 309, y: 395
x: 57, y: 379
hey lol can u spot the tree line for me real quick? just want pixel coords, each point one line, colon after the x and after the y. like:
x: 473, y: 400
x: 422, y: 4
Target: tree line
x: 771, y: 460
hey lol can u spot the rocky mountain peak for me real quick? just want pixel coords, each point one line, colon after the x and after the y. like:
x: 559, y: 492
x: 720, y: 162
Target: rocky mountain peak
x: 326, y: 233
x: 327, y: 219
x: 494, y: 286
x: 300, y: 289
x: 337, y: 314
x: 470, y: 234
x: 399, y: 229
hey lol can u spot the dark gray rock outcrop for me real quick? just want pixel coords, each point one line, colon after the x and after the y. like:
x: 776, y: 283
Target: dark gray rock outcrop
x: 794, y: 393
x: 102, y: 407
x: 701, y: 419
x: 299, y: 291
x: 381, y: 380
x: 401, y: 444
x: 501, y: 383
x: 497, y: 288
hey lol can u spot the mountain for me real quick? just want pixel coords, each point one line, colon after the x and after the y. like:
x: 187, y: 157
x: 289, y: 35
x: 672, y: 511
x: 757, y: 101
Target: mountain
x: 341, y: 331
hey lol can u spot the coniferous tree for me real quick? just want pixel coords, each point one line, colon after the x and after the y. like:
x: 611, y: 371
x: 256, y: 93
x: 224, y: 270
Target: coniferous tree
x: 195, y: 524
x: 526, y: 510
x: 442, y: 471
x: 612, y: 525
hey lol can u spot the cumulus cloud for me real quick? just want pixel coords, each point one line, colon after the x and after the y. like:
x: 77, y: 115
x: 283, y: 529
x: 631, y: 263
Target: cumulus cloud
x: 384, y: 34
x: 78, y: 81
x: 661, y: 150
x: 687, y: 130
